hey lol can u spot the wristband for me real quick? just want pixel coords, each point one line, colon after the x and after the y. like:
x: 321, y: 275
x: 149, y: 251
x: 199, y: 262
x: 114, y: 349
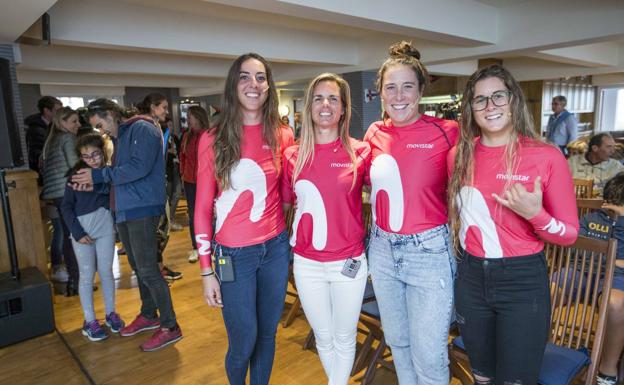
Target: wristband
x: 207, y: 274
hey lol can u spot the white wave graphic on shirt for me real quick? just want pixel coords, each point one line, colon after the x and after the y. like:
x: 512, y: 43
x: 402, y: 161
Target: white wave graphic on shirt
x: 385, y: 175
x: 475, y: 212
x: 554, y: 227
x: 310, y: 201
x: 246, y: 176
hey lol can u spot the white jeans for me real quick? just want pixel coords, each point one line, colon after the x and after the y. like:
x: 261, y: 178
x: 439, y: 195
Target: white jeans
x: 332, y: 303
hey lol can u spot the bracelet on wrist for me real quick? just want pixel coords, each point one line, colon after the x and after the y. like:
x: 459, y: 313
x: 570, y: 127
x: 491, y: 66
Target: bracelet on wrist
x: 207, y: 274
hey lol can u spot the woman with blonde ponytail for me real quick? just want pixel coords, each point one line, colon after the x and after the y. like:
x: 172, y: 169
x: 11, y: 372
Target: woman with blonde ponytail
x: 323, y: 175
x: 411, y: 260
x: 509, y: 192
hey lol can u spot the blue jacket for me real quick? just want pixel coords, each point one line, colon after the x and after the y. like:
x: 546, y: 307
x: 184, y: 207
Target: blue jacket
x: 78, y: 203
x: 138, y: 171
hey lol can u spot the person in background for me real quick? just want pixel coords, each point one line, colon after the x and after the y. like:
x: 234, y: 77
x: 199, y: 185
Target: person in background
x: 156, y: 106
x: 562, y: 125
x: 37, y: 129
x: 411, y: 260
x: 92, y: 227
x: 137, y: 183
x: 601, y: 225
x: 36, y: 133
x: 174, y: 182
x: 238, y: 185
x: 59, y: 156
x: 198, y: 123
x: 509, y: 193
x: 596, y: 163
x: 323, y: 175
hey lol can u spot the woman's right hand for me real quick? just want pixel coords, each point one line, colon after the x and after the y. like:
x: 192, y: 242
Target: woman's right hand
x: 212, y: 291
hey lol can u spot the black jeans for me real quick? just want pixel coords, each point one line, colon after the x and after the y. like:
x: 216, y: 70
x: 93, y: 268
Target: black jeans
x: 503, y: 311
x: 139, y: 238
x: 190, y: 190
x: 68, y: 249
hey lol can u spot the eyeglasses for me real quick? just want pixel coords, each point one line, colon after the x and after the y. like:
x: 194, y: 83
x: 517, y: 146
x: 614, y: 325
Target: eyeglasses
x: 498, y: 98
x: 95, y: 155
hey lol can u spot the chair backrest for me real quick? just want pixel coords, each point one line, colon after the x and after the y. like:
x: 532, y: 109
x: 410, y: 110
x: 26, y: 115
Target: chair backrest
x: 578, y: 311
x: 367, y: 217
x: 586, y: 206
x: 289, y: 216
x: 583, y: 188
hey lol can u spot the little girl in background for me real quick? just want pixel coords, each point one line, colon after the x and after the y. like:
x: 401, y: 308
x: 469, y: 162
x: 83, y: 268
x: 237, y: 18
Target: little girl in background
x: 91, y: 224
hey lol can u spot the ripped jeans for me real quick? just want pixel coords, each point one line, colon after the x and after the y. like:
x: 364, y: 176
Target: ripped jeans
x: 413, y: 281
x: 503, y: 312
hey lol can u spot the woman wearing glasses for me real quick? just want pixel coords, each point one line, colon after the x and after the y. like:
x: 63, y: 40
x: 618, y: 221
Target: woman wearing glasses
x: 238, y: 173
x: 509, y: 193
x: 410, y: 254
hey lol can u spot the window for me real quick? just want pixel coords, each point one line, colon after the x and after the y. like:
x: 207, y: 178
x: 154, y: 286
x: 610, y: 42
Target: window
x: 611, y: 109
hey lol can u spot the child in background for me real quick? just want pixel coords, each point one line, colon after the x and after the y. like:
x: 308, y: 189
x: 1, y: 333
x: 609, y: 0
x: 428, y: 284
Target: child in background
x: 91, y: 224
x: 601, y: 225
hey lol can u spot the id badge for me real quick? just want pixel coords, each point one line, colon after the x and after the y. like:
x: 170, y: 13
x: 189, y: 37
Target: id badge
x: 225, y: 267
x: 351, y: 267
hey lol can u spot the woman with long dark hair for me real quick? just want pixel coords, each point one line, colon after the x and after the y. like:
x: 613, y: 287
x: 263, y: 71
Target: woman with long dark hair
x: 238, y: 175
x: 509, y: 193
x: 198, y: 123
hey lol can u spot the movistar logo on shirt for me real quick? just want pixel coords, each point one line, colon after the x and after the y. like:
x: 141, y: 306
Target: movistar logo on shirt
x: 519, y: 178
x: 426, y: 146
x: 340, y: 165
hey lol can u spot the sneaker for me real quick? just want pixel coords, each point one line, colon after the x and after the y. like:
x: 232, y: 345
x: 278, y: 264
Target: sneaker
x: 94, y: 331
x: 176, y: 226
x: 169, y: 274
x: 59, y: 274
x: 140, y: 324
x: 602, y: 379
x: 114, y: 322
x: 161, y: 338
x: 193, y: 256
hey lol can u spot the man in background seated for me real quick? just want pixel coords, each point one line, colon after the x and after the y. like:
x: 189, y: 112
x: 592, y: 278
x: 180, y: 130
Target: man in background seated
x: 600, y: 225
x: 596, y: 163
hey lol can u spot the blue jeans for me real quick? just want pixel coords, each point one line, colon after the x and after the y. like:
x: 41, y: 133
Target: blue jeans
x: 413, y: 281
x: 252, y: 307
x: 56, y: 244
x: 139, y: 238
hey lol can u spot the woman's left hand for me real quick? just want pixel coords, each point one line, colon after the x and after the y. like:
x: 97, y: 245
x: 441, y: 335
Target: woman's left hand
x: 520, y: 201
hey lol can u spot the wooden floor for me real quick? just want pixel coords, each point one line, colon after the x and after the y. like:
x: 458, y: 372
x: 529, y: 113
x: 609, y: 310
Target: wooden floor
x: 196, y: 359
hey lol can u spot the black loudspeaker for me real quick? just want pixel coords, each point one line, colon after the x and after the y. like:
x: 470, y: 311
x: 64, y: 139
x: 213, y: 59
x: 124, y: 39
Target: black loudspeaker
x: 10, y: 148
x: 25, y: 306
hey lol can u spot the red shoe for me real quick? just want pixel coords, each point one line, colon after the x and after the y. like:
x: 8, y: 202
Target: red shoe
x: 161, y: 338
x: 140, y: 324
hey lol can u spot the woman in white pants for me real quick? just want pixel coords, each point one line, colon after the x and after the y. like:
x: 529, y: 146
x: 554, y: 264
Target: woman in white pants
x: 323, y: 177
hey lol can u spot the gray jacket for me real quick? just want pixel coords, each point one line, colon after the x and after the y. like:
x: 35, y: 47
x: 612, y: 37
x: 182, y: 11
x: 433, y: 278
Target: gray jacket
x: 60, y: 156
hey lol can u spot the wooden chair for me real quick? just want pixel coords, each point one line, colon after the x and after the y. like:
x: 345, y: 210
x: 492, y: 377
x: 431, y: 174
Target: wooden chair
x: 578, y: 311
x: 586, y: 206
x: 583, y: 188
x: 295, y: 308
x: 373, y: 352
